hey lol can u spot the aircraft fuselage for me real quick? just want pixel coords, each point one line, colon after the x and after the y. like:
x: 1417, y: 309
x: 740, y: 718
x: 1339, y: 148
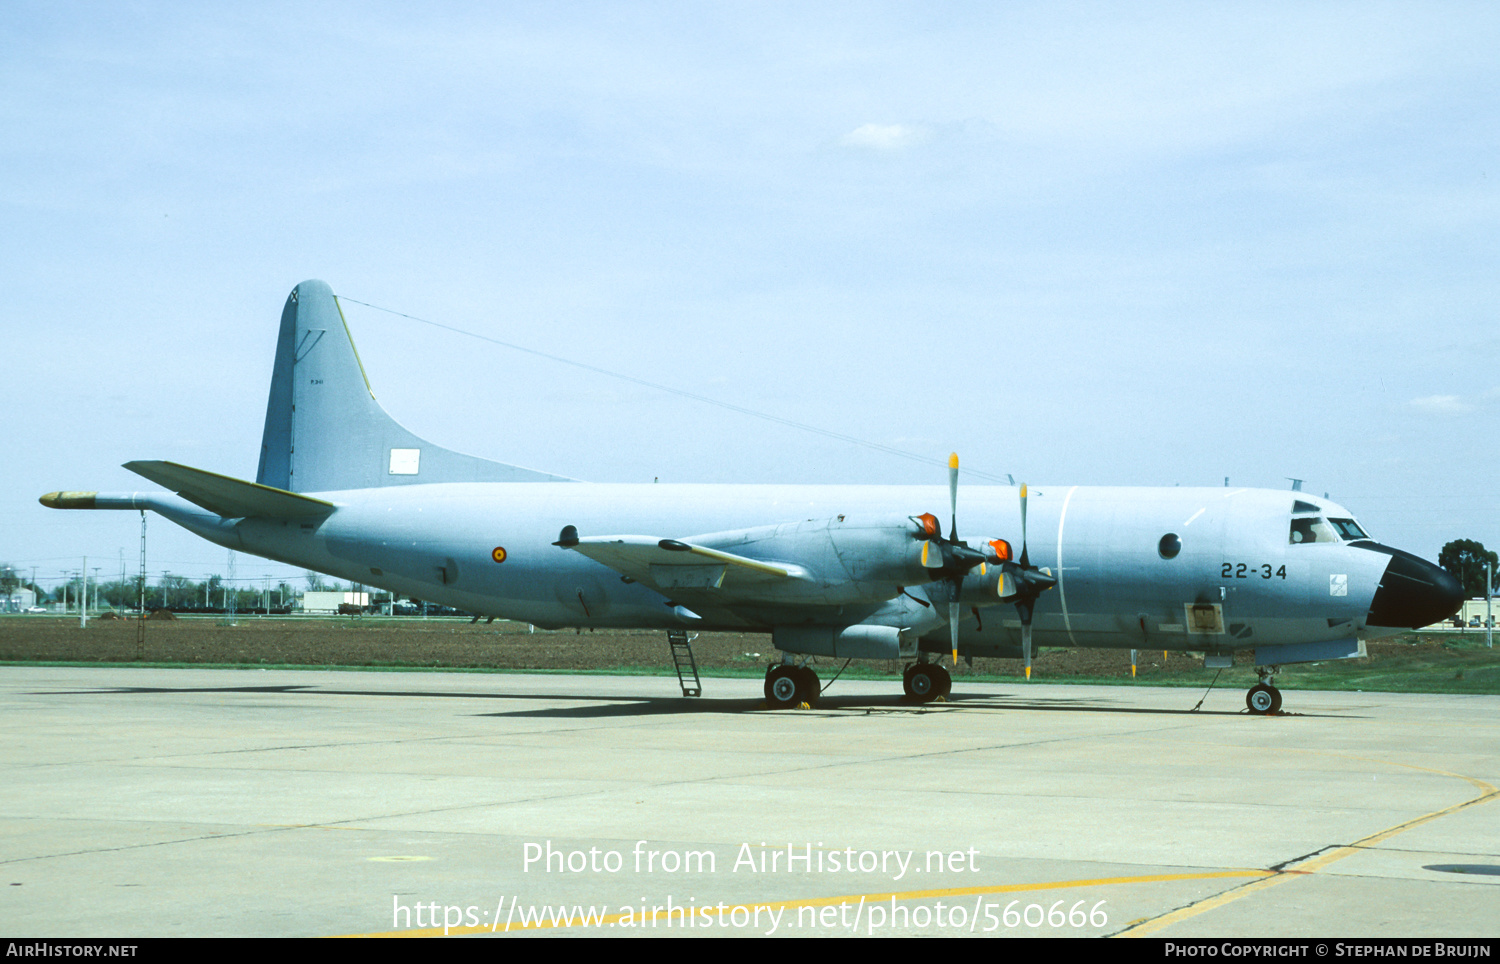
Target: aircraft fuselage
x: 1235, y: 579
x: 841, y: 571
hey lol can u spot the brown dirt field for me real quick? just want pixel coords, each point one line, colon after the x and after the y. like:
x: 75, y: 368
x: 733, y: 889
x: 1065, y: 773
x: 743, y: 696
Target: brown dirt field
x: 341, y: 641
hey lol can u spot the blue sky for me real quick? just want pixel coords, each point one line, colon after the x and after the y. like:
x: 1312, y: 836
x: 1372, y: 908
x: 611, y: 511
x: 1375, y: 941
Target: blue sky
x: 1081, y: 243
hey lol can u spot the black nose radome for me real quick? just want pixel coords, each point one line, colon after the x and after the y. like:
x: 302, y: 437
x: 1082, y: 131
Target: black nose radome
x: 1413, y: 592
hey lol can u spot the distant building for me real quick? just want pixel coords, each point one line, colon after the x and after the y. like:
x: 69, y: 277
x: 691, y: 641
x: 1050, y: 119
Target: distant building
x: 1473, y: 614
x: 17, y: 601
x: 329, y: 602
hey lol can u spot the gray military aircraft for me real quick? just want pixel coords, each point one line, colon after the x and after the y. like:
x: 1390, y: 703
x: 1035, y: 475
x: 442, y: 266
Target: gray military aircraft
x: 862, y: 572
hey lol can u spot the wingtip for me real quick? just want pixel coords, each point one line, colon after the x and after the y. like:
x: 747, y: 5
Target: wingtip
x: 141, y: 466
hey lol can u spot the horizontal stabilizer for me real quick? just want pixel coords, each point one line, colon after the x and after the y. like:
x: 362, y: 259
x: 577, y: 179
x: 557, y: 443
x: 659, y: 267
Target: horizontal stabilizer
x: 229, y: 497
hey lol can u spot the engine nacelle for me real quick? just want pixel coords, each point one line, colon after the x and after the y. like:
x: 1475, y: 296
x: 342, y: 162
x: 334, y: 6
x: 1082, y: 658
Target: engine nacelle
x: 886, y: 551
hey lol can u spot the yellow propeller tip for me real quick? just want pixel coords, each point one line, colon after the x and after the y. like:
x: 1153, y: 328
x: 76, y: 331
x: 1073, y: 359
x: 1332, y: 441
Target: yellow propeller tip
x: 953, y: 461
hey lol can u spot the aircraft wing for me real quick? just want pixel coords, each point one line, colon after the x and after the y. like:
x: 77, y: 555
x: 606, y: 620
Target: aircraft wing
x: 230, y: 497
x: 671, y: 565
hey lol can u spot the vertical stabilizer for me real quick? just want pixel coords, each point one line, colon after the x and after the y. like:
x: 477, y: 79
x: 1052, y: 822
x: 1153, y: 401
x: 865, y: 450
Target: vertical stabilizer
x: 325, y: 431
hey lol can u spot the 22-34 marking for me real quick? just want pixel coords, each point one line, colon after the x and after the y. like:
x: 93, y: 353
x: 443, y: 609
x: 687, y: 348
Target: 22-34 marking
x: 1241, y: 570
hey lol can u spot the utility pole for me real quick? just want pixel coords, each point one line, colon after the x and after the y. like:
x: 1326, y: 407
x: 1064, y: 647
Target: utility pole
x: 140, y: 597
x: 1489, y: 616
x: 83, y: 594
x: 230, y: 601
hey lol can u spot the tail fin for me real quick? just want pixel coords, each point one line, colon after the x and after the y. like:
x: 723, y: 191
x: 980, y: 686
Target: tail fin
x: 324, y: 430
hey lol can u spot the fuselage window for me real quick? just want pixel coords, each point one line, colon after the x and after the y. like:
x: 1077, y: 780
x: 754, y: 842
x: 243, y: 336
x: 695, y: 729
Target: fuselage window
x: 1311, y: 530
x: 1348, y: 529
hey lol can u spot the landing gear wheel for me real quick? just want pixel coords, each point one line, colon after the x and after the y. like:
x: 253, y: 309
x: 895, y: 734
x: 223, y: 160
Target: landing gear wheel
x: 783, y: 688
x: 924, y: 682
x: 945, y: 680
x: 1263, y: 700
x: 808, y: 685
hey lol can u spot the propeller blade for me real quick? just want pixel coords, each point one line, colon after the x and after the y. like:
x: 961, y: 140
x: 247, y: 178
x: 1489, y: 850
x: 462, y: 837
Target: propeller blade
x: 1024, y: 608
x: 953, y: 630
x: 953, y: 495
x: 1023, y: 525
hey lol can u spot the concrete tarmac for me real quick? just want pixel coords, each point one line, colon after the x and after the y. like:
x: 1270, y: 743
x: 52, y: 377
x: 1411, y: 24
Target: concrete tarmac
x: 146, y: 802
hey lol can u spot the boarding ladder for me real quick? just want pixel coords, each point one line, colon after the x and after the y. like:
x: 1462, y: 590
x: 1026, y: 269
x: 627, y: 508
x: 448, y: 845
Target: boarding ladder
x: 682, y: 660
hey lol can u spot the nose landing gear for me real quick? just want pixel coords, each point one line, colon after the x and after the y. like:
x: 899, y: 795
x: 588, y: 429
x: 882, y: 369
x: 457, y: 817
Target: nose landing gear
x: 1264, y: 699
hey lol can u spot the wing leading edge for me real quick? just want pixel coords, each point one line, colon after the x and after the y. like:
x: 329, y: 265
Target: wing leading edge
x: 672, y: 565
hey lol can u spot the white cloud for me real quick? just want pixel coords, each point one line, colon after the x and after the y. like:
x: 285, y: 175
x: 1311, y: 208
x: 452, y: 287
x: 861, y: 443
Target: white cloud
x: 1441, y: 405
x: 883, y: 137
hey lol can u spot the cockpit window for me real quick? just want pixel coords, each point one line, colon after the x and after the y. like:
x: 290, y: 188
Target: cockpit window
x: 1311, y: 530
x: 1300, y: 507
x: 1348, y: 529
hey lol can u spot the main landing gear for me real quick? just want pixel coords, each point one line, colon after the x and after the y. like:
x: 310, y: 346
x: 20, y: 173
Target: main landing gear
x: 925, y: 682
x: 1263, y: 698
x: 789, y: 686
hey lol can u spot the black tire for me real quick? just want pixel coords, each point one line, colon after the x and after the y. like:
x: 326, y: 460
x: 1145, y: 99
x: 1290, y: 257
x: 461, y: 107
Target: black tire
x: 808, y: 685
x: 945, y: 680
x: 783, y: 688
x: 922, y: 682
x: 1263, y: 700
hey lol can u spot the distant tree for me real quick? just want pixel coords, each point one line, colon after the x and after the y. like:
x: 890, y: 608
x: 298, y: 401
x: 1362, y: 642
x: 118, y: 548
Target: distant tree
x: 1466, y: 559
x: 245, y: 599
x: 315, y: 582
x: 10, y: 580
x: 116, y: 593
x: 175, y: 588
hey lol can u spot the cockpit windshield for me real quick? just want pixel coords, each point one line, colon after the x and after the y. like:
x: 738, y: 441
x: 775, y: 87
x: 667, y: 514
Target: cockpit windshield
x: 1311, y: 529
x: 1348, y: 529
